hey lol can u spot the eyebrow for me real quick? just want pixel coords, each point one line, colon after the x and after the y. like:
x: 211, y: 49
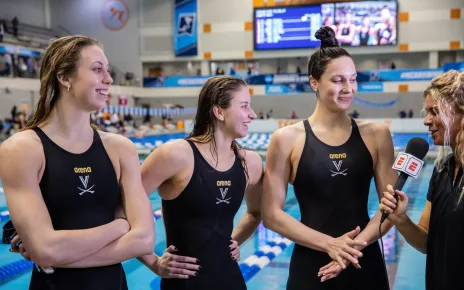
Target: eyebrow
x: 101, y: 63
x: 341, y: 76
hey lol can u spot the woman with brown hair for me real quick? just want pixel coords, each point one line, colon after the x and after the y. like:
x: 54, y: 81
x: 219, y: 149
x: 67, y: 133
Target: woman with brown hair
x: 330, y: 159
x: 68, y: 186
x: 202, y: 181
x: 439, y: 233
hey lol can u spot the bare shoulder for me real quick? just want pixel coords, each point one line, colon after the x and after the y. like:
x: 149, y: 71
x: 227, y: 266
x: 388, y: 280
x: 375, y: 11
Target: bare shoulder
x: 286, y: 136
x: 373, y: 129
x: 24, y: 143
x: 22, y: 150
x: 176, y: 151
x: 253, y: 160
x: 117, y: 142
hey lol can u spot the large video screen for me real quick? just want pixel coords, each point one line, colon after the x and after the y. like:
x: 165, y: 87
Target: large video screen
x: 289, y: 27
x: 367, y: 23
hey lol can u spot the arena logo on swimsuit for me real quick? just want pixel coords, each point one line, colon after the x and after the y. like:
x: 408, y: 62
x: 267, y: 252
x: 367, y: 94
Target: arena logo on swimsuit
x: 224, y: 183
x: 337, y: 156
x: 83, y: 169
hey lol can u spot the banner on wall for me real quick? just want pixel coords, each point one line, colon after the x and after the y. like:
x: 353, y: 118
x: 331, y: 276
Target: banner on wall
x: 122, y: 100
x: 194, y: 81
x: 299, y: 88
x: 368, y: 81
x: 401, y: 75
x: 21, y: 51
x: 459, y: 66
x: 185, y: 28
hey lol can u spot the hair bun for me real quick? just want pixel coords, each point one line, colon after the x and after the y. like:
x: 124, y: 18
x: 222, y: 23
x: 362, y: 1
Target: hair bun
x: 327, y: 37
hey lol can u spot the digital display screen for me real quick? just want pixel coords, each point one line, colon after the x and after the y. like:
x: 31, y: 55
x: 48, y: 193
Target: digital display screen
x: 367, y: 23
x: 289, y: 27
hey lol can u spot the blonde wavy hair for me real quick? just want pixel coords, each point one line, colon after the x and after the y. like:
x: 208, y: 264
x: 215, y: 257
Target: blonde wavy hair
x: 447, y: 90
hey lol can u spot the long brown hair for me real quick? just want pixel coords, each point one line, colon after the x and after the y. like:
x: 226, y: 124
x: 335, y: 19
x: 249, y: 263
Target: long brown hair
x: 217, y: 91
x: 61, y: 59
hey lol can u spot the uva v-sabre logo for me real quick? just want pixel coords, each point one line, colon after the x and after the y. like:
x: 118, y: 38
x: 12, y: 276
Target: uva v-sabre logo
x: 408, y: 164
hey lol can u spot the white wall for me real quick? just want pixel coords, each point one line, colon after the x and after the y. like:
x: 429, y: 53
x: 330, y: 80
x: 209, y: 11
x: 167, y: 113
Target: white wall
x: 429, y: 29
x: 28, y: 11
x: 15, y: 98
x: 401, y: 60
x: 156, y: 28
x: 173, y: 68
x: 83, y: 17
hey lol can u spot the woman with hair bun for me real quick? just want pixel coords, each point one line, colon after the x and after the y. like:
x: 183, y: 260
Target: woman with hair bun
x: 330, y: 160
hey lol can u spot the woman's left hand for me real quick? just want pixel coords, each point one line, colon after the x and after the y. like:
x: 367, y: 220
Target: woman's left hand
x: 333, y: 269
x: 234, y: 250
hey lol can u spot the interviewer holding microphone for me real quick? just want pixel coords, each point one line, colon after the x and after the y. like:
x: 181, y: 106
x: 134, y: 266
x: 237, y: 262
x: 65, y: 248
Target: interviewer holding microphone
x: 440, y: 231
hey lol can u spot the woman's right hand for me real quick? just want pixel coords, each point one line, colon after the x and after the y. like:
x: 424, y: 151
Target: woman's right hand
x: 396, y: 209
x: 344, y: 248
x: 170, y: 265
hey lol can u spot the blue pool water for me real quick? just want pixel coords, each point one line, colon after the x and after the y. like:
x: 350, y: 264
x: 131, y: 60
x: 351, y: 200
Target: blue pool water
x: 406, y: 266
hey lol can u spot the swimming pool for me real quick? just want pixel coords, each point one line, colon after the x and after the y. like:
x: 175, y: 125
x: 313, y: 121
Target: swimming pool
x: 406, y: 266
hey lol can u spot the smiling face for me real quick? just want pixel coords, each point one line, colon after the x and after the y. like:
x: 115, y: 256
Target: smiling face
x: 337, y: 86
x: 239, y: 114
x: 91, y: 82
x: 439, y: 126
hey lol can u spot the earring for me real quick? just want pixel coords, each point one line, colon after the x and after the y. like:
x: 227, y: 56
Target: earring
x: 68, y: 88
x: 221, y: 118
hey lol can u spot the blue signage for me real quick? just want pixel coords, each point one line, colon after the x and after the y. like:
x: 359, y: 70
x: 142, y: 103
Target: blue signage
x: 402, y: 75
x: 459, y: 66
x: 370, y: 87
x: 175, y: 81
x: 185, y: 28
x: 21, y: 51
x: 368, y: 81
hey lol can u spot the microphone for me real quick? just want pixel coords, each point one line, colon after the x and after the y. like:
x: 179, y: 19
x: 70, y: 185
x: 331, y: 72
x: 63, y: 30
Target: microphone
x: 409, y: 163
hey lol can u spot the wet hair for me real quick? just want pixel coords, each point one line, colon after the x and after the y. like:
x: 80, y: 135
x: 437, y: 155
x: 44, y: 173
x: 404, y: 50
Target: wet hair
x: 329, y: 50
x: 447, y: 90
x: 217, y: 91
x: 60, y: 59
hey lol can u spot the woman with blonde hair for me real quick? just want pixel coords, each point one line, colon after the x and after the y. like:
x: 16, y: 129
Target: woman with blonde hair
x: 75, y: 194
x: 440, y: 231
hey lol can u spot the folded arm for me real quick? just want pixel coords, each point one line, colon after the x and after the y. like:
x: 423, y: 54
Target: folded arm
x: 22, y: 159
x: 140, y: 240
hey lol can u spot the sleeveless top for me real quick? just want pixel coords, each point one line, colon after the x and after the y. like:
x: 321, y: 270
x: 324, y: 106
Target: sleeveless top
x: 332, y: 187
x: 199, y: 223
x: 81, y: 191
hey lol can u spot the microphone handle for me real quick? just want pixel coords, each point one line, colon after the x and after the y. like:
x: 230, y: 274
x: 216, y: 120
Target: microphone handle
x: 398, y: 186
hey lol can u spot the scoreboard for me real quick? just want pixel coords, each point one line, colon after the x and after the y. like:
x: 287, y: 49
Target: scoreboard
x: 287, y: 27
